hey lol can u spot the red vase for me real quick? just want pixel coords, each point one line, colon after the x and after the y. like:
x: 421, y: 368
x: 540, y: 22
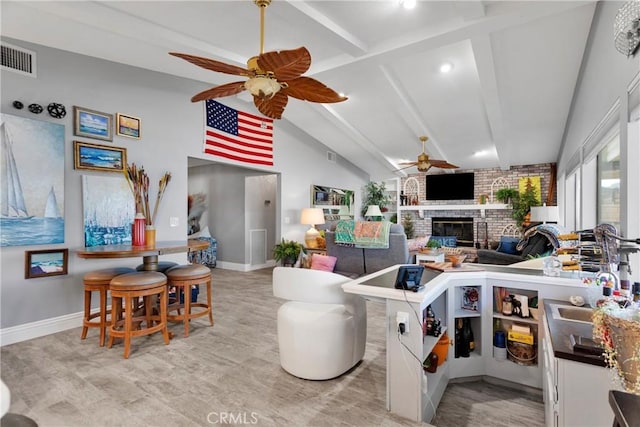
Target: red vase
x: 138, y: 230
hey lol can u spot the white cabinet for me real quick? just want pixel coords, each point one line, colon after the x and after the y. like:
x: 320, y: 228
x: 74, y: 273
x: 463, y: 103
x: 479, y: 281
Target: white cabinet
x: 474, y: 364
x: 575, y: 394
x: 406, y: 378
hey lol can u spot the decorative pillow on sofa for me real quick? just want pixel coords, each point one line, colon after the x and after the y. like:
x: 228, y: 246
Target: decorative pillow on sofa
x: 508, y: 245
x: 417, y: 243
x: 446, y: 241
x: 323, y: 262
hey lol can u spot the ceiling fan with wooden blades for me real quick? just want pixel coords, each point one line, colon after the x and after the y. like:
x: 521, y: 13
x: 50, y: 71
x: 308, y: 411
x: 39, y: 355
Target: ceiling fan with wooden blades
x: 273, y: 77
x: 424, y: 163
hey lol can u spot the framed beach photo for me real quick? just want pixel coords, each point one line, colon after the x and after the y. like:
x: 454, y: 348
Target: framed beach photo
x: 92, y: 124
x: 47, y: 262
x: 97, y: 157
x: 128, y: 126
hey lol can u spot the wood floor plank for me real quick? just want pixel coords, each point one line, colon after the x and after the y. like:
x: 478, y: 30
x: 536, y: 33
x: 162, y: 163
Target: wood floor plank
x: 232, y: 368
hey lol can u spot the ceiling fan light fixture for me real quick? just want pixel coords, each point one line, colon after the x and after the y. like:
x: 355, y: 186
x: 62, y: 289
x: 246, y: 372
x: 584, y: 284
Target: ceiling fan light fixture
x: 262, y: 86
x: 626, y: 28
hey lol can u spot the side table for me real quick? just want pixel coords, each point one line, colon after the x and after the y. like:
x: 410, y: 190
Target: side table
x: 422, y: 257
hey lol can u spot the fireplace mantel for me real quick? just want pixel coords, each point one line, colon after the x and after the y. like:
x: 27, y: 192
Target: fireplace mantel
x: 469, y: 207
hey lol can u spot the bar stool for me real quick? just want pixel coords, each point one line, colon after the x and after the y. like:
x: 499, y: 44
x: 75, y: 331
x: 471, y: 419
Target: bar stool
x: 98, y: 281
x: 162, y: 266
x: 182, y: 278
x: 128, y: 288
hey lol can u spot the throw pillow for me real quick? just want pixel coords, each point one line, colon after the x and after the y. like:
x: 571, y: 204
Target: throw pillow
x: 323, y: 262
x: 508, y: 245
x: 417, y: 243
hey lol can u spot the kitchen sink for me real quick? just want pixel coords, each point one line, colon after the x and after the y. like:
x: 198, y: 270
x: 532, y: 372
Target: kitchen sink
x: 571, y: 313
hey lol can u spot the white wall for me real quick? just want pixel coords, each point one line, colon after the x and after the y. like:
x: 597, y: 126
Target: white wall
x: 606, y: 95
x: 171, y: 132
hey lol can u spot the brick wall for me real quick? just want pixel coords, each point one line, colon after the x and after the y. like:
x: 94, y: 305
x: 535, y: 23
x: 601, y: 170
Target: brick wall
x: 495, y: 219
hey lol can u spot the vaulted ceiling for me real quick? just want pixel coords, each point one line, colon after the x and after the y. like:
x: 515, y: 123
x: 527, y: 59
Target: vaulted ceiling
x: 505, y: 102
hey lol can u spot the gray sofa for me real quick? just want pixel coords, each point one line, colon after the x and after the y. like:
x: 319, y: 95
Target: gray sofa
x: 537, y: 242
x: 354, y: 262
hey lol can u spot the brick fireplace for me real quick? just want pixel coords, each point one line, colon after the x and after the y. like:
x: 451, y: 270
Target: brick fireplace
x: 461, y: 228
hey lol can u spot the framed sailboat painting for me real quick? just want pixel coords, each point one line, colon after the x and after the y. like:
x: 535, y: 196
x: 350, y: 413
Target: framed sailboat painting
x: 32, y: 194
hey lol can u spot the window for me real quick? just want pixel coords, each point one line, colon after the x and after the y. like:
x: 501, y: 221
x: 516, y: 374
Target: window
x: 609, y: 183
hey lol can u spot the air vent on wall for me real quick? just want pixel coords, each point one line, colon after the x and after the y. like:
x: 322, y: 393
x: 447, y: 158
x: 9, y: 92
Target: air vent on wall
x: 18, y: 60
x: 331, y: 156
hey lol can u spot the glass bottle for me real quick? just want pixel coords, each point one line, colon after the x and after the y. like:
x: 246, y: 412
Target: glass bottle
x: 472, y: 343
x: 465, y: 337
x: 458, y: 338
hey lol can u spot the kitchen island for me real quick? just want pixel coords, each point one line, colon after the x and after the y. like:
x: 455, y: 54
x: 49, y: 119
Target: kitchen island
x: 413, y: 393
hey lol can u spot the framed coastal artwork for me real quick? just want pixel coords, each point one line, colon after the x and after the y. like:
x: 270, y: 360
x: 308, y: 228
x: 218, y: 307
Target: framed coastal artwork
x: 108, y: 210
x: 47, y: 262
x: 99, y: 157
x: 32, y: 201
x: 128, y: 126
x: 92, y: 124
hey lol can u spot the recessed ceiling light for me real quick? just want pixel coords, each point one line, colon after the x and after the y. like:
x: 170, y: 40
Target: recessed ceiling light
x: 407, y: 4
x: 481, y: 153
x: 446, y: 67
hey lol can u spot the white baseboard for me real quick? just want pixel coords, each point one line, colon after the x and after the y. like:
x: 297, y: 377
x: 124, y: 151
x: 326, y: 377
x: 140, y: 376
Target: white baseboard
x: 40, y: 328
x: 234, y: 266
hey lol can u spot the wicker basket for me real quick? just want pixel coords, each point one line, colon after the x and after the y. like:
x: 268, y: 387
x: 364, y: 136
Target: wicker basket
x: 625, y: 335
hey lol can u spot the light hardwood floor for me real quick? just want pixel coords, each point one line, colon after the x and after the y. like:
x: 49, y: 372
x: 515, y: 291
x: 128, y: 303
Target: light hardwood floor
x: 229, y: 370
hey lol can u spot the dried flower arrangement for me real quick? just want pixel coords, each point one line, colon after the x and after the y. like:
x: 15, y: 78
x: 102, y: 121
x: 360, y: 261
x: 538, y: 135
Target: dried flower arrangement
x: 138, y: 181
x: 618, y: 330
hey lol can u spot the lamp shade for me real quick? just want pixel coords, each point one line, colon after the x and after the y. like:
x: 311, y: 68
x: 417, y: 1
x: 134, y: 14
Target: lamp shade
x: 373, y: 210
x: 312, y: 216
x: 545, y: 214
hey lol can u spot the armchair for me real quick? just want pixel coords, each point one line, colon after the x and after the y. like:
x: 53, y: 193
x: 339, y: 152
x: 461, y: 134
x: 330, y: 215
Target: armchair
x: 322, y: 331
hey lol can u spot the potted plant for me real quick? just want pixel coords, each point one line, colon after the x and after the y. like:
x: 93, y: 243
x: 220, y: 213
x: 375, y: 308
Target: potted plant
x: 507, y: 195
x: 375, y: 194
x: 433, y: 245
x: 287, y: 252
x: 407, y: 223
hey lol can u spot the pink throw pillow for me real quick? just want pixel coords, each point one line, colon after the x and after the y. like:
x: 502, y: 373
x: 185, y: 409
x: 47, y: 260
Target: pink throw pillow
x: 323, y: 262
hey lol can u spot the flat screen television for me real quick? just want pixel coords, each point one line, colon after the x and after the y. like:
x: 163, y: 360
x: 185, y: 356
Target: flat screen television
x: 450, y: 186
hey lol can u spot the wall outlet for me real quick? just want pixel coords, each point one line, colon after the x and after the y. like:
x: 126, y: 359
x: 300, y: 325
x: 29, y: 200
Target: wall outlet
x: 174, y: 221
x: 403, y: 317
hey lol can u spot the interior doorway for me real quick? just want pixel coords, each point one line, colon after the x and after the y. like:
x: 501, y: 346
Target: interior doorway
x: 241, y: 211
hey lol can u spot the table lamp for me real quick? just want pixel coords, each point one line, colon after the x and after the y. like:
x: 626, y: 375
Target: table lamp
x: 312, y: 217
x: 544, y: 214
x: 373, y: 211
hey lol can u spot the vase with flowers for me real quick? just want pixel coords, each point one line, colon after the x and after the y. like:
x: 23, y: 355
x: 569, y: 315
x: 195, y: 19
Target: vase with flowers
x: 616, y: 326
x: 145, y: 220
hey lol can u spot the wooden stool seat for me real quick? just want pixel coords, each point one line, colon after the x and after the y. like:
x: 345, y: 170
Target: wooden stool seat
x: 182, y: 278
x: 128, y: 288
x: 162, y: 266
x: 98, y: 281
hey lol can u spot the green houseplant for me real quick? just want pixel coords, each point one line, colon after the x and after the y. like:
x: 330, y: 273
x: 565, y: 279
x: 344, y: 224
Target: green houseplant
x: 375, y: 194
x: 433, y: 245
x: 407, y: 223
x: 507, y: 195
x: 287, y: 252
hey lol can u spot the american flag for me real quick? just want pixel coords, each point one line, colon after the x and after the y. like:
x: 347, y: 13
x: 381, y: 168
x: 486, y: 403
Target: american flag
x: 237, y: 135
